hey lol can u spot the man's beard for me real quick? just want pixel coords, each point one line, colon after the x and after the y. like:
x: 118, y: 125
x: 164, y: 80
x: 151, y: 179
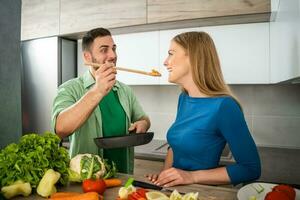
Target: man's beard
x: 94, y: 60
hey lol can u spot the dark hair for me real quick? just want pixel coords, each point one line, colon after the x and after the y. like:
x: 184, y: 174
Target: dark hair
x: 91, y: 35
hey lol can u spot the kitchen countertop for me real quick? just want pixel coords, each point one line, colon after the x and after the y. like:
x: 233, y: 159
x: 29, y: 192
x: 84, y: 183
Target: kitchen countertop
x: 156, y: 150
x: 205, y: 192
x: 286, y: 160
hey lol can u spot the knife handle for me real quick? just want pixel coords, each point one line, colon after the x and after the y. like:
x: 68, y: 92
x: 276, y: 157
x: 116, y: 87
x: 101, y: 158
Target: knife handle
x: 146, y: 185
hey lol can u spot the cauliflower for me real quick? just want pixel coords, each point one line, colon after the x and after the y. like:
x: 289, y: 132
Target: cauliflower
x: 85, y: 166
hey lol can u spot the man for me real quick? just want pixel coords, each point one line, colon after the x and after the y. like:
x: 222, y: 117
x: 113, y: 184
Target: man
x: 97, y: 105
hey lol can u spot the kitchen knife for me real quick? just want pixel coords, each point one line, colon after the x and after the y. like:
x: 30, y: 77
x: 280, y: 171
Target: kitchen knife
x: 152, y: 186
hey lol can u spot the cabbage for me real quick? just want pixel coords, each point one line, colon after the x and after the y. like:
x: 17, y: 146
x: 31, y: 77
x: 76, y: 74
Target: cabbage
x: 86, y: 166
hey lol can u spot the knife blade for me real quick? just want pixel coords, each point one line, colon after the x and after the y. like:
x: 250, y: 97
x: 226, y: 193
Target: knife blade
x: 152, y: 186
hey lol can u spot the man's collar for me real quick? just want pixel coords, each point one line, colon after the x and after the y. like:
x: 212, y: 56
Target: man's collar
x: 88, y: 81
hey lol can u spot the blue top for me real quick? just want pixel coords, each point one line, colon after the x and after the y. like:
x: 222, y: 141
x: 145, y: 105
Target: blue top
x: 202, y: 128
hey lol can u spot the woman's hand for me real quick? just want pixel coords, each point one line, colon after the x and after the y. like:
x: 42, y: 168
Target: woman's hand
x: 152, y: 177
x: 173, y: 176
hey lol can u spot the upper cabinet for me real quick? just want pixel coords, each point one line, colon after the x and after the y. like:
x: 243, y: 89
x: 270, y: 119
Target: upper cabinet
x: 72, y: 18
x: 138, y: 51
x: 173, y: 10
x: 40, y: 18
x: 285, y: 42
x: 243, y: 51
x: 80, y: 15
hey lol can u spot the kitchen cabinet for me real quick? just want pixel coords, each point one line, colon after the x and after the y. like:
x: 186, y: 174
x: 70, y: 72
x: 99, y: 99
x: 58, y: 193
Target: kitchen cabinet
x: 81, y: 15
x: 138, y: 51
x: 285, y: 42
x: 40, y: 18
x: 170, y: 10
x: 243, y: 51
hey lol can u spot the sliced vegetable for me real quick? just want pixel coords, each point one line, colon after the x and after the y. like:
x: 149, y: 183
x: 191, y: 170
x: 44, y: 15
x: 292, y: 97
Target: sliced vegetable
x: 258, y: 187
x: 94, y: 185
x: 175, y: 195
x: 139, y: 194
x: 17, y: 188
x: 125, y: 191
x: 84, y: 196
x: 129, y: 182
x: 190, y: 196
x: 46, y: 186
x: 142, y: 192
x: 154, y: 195
x: 113, y: 182
x: 252, y: 198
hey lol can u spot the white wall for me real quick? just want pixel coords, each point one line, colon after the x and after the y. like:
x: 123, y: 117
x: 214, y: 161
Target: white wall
x: 272, y: 111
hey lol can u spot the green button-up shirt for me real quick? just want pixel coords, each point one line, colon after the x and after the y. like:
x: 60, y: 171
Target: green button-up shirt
x: 82, y: 140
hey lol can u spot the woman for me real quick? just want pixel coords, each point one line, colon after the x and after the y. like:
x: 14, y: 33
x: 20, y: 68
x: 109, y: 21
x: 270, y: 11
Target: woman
x: 208, y: 117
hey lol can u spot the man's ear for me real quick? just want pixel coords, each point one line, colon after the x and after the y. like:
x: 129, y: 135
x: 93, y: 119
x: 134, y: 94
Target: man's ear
x: 87, y: 56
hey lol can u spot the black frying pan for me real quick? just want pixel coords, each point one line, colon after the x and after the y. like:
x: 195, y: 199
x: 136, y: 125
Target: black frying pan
x: 132, y: 139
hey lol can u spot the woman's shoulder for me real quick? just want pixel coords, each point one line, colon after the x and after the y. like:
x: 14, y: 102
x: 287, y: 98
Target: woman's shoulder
x: 229, y: 104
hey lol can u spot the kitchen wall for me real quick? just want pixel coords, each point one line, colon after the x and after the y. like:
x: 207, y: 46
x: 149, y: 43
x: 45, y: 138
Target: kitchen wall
x: 272, y: 111
x: 10, y: 72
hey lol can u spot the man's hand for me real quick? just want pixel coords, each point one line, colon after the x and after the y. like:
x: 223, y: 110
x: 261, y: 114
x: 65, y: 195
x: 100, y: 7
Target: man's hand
x: 105, y: 78
x: 140, y: 126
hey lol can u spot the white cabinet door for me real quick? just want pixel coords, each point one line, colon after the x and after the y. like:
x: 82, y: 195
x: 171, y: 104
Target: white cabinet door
x: 285, y: 42
x: 243, y: 51
x: 138, y: 51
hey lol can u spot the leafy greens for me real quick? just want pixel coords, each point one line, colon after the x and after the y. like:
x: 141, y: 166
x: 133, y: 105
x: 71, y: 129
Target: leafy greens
x: 31, y: 157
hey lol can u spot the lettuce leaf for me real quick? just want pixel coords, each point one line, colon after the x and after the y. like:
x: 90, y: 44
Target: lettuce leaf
x: 31, y: 157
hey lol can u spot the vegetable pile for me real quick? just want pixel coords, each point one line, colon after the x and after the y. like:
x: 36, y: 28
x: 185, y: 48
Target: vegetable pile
x: 28, y: 160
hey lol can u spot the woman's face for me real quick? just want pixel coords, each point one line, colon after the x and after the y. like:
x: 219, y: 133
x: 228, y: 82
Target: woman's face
x: 178, y: 64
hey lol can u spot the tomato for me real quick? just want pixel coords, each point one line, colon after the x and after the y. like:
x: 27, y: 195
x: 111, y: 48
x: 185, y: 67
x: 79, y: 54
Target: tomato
x: 137, y: 196
x: 287, y: 189
x: 277, y: 195
x: 142, y: 192
x: 134, y: 196
x: 94, y: 185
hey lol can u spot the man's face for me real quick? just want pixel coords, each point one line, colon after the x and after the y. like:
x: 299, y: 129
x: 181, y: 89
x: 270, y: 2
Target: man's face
x: 102, y: 50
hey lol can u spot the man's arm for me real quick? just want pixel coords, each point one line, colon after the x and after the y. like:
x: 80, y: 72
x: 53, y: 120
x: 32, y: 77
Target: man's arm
x: 74, y: 116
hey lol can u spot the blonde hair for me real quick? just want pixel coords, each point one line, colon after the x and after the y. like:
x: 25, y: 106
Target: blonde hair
x: 205, y: 64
